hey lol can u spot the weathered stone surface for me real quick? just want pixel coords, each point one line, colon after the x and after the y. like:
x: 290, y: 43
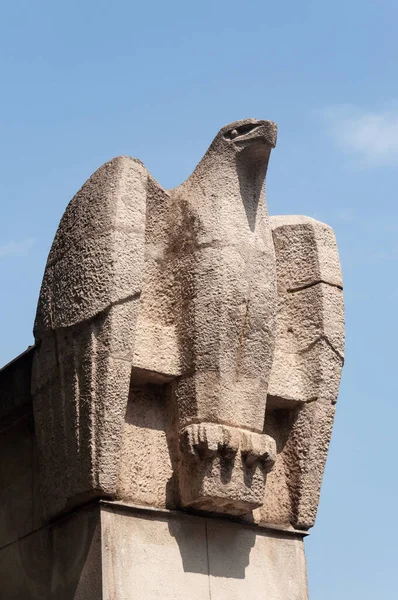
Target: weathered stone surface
x: 97, y: 255
x: 224, y: 467
x: 85, y: 331
x: 146, y: 470
x: 311, y: 311
x: 21, y: 508
x: 306, y: 251
x: 162, y: 286
x: 308, y: 360
x: 188, y: 357
x: 264, y: 565
x: 227, y: 281
x: 198, y: 558
x: 62, y: 562
x: 119, y: 552
x: 76, y: 557
x: 305, y: 456
x: 310, y: 342
x: 189, y: 347
x: 154, y: 557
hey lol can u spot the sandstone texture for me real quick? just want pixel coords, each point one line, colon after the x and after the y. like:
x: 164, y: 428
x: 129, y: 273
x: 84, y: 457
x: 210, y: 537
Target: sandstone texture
x: 188, y: 346
x: 167, y: 434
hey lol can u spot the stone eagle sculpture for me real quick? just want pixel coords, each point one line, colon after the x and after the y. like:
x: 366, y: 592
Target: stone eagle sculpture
x: 234, y: 317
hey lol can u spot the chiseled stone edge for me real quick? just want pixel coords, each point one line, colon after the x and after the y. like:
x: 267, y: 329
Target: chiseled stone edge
x: 307, y: 257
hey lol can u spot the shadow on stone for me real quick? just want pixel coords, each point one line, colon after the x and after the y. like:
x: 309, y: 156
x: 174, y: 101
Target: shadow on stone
x: 251, y: 181
x: 222, y: 547
x: 58, y: 562
x: 229, y: 546
x: 145, y: 408
x: 77, y: 557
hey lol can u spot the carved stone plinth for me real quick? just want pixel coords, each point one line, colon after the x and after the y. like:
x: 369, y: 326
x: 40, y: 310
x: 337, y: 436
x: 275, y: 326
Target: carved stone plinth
x: 188, y: 358
x: 121, y: 552
x: 188, y: 346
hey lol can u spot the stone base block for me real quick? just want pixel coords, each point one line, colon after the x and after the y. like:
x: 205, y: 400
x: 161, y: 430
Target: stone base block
x: 120, y: 552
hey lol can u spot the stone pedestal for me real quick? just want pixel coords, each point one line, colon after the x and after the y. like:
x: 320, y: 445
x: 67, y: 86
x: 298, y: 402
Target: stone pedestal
x: 114, y: 551
x: 187, y: 358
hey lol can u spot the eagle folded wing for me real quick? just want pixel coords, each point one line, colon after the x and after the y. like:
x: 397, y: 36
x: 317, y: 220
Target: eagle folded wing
x: 309, y: 353
x: 84, y: 331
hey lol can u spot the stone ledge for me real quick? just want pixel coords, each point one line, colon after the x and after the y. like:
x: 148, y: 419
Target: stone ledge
x: 120, y: 506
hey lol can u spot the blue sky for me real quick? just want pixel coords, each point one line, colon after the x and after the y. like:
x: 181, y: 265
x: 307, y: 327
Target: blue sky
x: 85, y: 81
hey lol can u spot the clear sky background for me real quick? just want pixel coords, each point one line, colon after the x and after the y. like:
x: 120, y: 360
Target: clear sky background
x: 82, y: 82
